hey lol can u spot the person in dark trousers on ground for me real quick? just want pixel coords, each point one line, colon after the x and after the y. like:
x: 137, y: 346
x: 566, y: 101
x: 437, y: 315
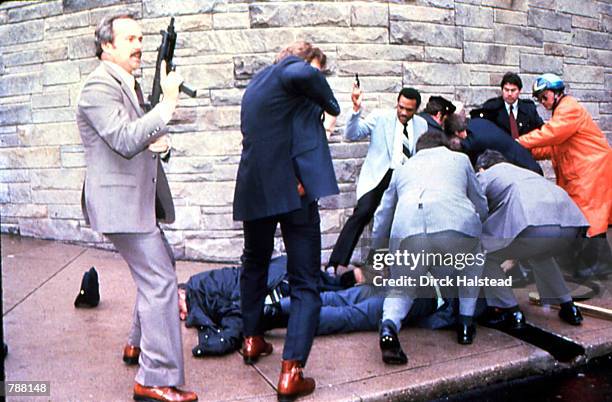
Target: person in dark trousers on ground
x: 126, y: 193
x: 477, y: 135
x: 284, y: 148
x: 393, y: 136
x: 531, y: 219
x: 435, y: 113
x: 513, y: 115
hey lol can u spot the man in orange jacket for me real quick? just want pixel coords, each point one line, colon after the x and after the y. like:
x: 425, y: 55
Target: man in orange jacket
x: 581, y: 158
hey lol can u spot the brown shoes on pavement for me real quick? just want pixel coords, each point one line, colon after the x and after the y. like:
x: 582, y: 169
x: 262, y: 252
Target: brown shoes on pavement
x: 163, y: 394
x: 254, y: 347
x: 292, y: 382
x: 131, y: 354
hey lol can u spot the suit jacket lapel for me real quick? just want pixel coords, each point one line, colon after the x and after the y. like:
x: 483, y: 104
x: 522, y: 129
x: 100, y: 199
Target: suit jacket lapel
x: 390, y: 134
x: 126, y: 88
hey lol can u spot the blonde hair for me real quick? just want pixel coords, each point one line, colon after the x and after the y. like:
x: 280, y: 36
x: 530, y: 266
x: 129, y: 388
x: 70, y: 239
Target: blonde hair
x: 304, y: 50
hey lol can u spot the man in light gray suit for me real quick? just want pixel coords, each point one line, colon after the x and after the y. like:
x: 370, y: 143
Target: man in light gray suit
x: 531, y: 218
x: 393, y: 136
x: 126, y: 192
x: 433, y: 205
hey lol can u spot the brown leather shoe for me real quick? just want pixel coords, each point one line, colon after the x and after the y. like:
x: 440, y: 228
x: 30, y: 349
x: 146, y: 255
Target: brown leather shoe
x: 254, y: 347
x: 164, y: 394
x: 131, y: 354
x: 292, y: 382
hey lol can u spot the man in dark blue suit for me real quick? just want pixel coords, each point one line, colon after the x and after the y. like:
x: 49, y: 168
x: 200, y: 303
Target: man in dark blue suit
x: 478, y: 135
x: 284, y: 168
x: 513, y: 115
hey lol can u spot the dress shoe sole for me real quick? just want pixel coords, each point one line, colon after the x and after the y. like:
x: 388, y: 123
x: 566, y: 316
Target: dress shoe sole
x: 250, y: 360
x: 291, y: 398
x: 130, y: 361
x: 391, y: 357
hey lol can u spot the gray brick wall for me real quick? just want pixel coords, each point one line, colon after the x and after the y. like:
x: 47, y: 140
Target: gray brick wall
x: 458, y: 48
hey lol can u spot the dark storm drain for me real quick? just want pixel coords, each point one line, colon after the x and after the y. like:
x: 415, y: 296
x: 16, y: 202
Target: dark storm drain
x: 562, y: 349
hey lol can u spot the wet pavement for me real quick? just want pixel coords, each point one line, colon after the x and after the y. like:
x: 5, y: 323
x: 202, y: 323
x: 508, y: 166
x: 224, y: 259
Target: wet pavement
x: 79, y: 350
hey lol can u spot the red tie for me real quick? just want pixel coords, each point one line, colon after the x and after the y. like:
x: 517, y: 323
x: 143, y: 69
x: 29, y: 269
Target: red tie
x: 141, y: 101
x: 513, y: 127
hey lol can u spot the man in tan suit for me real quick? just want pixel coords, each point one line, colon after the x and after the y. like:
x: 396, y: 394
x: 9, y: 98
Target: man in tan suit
x: 126, y: 193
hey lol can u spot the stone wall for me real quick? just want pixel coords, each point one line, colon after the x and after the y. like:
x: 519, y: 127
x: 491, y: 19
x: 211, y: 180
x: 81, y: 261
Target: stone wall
x: 457, y: 48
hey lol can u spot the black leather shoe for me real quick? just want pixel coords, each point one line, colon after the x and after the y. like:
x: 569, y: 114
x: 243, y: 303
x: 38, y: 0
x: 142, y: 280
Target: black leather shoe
x: 273, y: 317
x: 497, y: 317
x: 390, y: 347
x: 466, y: 333
x: 570, y: 313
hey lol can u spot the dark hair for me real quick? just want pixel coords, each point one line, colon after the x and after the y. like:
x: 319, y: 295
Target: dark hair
x: 454, y: 123
x: 410, y: 93
x: 489, y: 158
x: 104, y: 31
x: 431, y: 139
x: 512, y: 79
x: 437, y: 104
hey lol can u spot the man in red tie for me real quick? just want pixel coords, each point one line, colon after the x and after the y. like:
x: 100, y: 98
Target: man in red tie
x: 515, y: 116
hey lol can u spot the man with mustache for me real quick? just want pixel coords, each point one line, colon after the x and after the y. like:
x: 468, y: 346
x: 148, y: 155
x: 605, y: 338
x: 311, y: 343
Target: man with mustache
x: 126, y: 193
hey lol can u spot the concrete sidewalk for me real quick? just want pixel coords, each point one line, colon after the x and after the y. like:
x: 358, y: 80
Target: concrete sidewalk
x: 79, y: 350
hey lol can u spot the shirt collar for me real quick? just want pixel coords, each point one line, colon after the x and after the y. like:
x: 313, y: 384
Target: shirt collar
x: 124, y: 75
x: 514, y: 106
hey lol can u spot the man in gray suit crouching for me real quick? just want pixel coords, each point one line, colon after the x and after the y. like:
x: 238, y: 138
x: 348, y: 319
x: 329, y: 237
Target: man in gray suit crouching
x: 533, y: 219
x: 432, y: 208
x: 126, y: 192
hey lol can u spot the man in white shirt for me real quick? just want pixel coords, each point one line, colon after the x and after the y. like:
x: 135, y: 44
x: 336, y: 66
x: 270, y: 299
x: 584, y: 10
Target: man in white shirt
x: 393, y: 136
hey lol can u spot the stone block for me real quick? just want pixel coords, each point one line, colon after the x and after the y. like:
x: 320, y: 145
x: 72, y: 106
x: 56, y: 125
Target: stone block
x: 589, y: 39
x: 53, y: 115
x: 510, y: 17
x: 472, y: 97
x: 205, y: 193
x: 80, y: 5
x: 534, y: 63
x: 51, y: 99
x: 15, y: 114
x: 435, y: 74
x: 226, y: 97
x: 591, y: 95
x: 24, y: 57
x: 57, y: 179
x: 600, y: 57
x: 5, y: 197
x: 380, y: 52
x: 182, y: 24
x: 20, y: 193
x: 408, y: 12
x: 187, y: 218
x: 587, y: 74
x: 248, y: 66
x: 558, y: 49
x: 586, y: 23
x: 549, y: 19
x: 231, y: 20
x: 80, y: 47
x: 443, y: 55
x: 472, y: 16
x: 134, y: 8
x: 372, y: 15
x: 9, y: 141
x: 62, y: 72
x: 437, y: 3
x: 346, y: 171
x: 210, y: 249
x: 35, y: 11
x: 208, y: 76
x: 514, y: 35
x: 416, y: 33
x: 182, y: 164
x: 20, y: 84
x: 584, y: 8
x: 56, y: 196
x: 478, y: 35
x: 365, y: 68
x: 201, y: 144
x: 72, y: 159
x: 67, y: 22
x: 519, y: 5
x: 38, y: 157
x: 330, y: 220
x: 218, y: 221
x: 58, y: 211
x: 490, y: 54
x: 159, y: 8
x: 22, y: 32
x: 14, y: 175
x: 550, y: 4
x: 219, y: 118
x: 58, y: 229
x: 299, y: 15
x: 23, y: 211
